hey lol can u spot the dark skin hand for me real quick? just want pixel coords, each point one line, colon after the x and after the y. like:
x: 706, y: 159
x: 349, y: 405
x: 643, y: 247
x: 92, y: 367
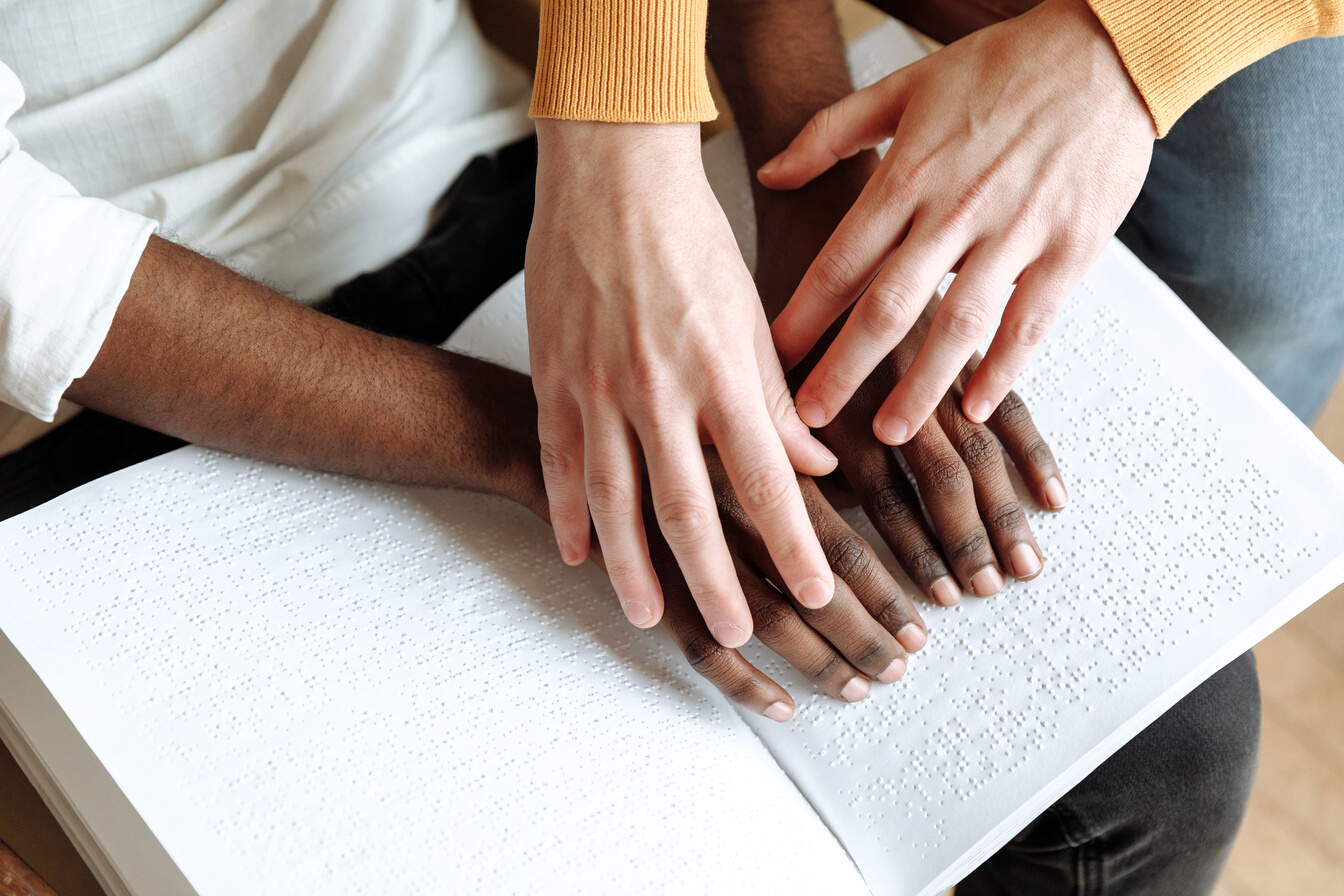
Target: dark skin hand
x: 204, y: 354
x: 779, y: 64
x: 979, y: 530
x: 865, y: 632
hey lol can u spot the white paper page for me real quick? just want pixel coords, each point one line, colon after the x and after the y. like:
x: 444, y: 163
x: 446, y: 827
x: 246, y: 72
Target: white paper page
x: 304, y: 683
x: 1202, y: 516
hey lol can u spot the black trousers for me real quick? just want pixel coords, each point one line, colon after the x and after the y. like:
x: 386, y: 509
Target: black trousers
x: 1158, y: 818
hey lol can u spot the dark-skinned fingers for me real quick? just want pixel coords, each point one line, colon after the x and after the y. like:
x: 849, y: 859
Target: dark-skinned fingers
x: 1002, y: 514
x: 872, y: 630
x: 723, y: 667
x: 876, y: 613
x: 893, y: 508
x: 1012, y: 423
x: 778, y: 626
x: 949, y: 494
x: 882, y: 600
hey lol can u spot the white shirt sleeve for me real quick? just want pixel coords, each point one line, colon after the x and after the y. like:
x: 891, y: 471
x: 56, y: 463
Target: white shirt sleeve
x: 65, y: 263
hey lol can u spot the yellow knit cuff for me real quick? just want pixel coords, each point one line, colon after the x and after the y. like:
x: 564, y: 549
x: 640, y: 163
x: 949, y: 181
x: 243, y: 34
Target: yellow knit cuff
x: 1178, y: 50
x: 623, y: 60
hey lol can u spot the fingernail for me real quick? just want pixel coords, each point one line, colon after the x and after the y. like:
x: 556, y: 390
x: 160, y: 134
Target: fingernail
x: 769, y: 167
x: 1026, y: 562
x: 815, y: 593
x: 729, y: 635
x: 637, y: 613
x: 892, y: 672
x: 947, y: 592
x: 1055, y: 494
x: 855, y: 690
x: 826, y: 455
x: 979, y: 411
x: 778, y: 712
x: 568, y: 553
x: 912, y: 637
x: 987, y: 581
x: 811, y: 413
x: 893, y: 432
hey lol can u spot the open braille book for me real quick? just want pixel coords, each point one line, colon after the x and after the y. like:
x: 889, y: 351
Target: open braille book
x: 227, y: 676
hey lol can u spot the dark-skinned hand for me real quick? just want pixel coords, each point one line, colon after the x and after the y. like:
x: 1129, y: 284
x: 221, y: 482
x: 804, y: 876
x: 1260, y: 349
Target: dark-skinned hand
x: 979, y: 530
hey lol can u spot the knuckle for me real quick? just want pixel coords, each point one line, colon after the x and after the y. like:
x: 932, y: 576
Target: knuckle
x: 706, y: 656
x: 825, y: 669
x: 622, y: 571
x: 889, y: 611
x: 849, y: 557
x: 763, y: 489
x: 598, y: 382
x: 1038, y: 453
x: 947, y: 478
x: 609, y: 495
x: 649, y: 374
x: 819, y: 127
x: 870, y: 652
x: 889, y: 309
x: 1007, y: 517
x: 926, y: 564
x: 965, y: 321
x: 889, y: 505
x: 978, y: 448
x: 683, y: 518
x: 1029, y: 329
x: 971, y: 202
x: 970, y: 547
x: 555, y: 462
x: 1073, y: 243
x: 836, y: 274
x: 1012, y: 411
x: 722, y: 378
x: 772, y: 620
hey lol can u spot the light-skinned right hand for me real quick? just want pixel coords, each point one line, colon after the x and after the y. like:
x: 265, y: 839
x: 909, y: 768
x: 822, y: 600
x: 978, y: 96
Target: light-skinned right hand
x: 1016, y: 153
x: 647, y: 340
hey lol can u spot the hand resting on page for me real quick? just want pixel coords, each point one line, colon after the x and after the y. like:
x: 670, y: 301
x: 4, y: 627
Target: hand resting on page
x: 979, y: 531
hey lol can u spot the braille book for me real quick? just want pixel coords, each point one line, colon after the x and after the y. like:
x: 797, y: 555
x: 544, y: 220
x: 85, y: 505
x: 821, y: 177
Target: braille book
x: 227, y: 676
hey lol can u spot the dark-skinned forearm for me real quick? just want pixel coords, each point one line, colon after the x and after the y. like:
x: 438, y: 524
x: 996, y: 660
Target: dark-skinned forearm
x: 780, y: 62
x: 204, y: 354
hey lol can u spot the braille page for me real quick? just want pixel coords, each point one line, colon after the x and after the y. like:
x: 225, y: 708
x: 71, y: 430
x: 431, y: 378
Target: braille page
x: 1202, y: 516
x: 312, y: 684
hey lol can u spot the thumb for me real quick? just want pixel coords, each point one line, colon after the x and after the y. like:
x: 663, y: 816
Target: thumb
x: 806, y: 453
x: 860, y: 121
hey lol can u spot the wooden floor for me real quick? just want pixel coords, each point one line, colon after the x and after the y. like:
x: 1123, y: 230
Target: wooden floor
x: 1293, y: 838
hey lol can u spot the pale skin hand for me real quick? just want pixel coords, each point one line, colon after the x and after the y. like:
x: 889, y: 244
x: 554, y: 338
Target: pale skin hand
x: 1016, y: 153
x: 648, y: 339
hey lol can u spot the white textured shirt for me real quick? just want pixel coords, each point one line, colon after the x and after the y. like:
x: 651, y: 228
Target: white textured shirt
x: 299, y: 141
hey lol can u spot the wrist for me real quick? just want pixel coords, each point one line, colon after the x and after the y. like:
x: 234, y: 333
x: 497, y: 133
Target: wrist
x: 569, y: 152
x: 1086, y: 50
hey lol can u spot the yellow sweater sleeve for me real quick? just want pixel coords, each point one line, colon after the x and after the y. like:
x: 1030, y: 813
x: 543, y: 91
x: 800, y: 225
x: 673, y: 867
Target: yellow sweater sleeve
x: 622, y: 60
x: 1178, y: 50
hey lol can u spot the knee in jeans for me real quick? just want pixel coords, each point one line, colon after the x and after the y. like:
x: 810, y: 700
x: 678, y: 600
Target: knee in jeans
x: 1204, y: 752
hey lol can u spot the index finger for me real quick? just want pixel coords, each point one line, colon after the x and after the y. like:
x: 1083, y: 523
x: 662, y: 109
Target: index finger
x: 960, y: 323
x: 875, y: 224
x: 767, y: 488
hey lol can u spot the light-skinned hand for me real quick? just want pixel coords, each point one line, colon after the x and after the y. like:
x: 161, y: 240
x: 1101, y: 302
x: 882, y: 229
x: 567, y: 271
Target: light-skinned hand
x: 1016, y: 153
x: 647, y: 340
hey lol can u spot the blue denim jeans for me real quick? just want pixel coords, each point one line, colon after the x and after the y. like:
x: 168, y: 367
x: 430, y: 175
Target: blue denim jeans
x: 1242, y: 215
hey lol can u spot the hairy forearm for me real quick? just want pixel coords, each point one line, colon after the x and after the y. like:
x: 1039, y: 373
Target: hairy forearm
x: 202, y: 353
